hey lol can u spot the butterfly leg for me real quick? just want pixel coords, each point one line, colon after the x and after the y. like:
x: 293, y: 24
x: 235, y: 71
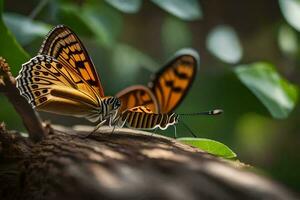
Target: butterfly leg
x: 110, y: 121
x: 175, y: 131
x: 113, y: 129
x: 98, y: 126
x: 95, y: 129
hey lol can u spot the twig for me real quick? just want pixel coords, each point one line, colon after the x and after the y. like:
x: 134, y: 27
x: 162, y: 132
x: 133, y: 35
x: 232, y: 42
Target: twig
x: 30, y: 118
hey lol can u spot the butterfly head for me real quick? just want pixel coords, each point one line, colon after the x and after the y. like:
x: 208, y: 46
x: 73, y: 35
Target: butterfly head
x: 111, y: 106
x: 115, y: 103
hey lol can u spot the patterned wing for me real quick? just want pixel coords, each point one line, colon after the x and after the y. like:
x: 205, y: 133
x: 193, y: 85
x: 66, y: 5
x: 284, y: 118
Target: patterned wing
x: 63, y: 45
x: 137, y: 96
x: 173, y: 81
x: 50, y: 86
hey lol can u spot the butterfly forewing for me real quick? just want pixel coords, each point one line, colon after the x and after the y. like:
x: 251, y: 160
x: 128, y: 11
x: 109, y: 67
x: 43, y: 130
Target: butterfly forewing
x: 172, y: 83
x: 63, y: 45
x: 50, y: 86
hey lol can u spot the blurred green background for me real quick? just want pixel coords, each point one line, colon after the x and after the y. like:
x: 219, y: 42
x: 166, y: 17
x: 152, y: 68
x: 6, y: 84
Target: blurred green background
x: 249, y: 64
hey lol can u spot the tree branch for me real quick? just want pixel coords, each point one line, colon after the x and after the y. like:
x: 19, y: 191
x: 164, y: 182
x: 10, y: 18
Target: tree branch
x: 128, y: 164
x: 30, y: 118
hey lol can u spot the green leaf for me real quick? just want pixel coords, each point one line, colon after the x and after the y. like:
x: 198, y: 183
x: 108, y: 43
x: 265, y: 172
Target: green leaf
x: 224, y: 43
x: 172, y: 42
x: 25, y: 29
x: 101, y: 22
x: 291, y: 12
x: 10, y: 49
x: 184, y: 9
x: 9, y: 115
x: 276, y: 93
x: 210, y: 146
x: 15, y: 56
x: 126, y: 6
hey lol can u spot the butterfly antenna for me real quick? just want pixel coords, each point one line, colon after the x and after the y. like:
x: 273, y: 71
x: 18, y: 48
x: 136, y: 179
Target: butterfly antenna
x: 188, y: 128
x: 210, y: 112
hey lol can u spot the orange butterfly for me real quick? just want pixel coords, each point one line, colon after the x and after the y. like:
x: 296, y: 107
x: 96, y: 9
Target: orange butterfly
x: 168, y: 87
x: 151, y: 107
x: 62, y: 79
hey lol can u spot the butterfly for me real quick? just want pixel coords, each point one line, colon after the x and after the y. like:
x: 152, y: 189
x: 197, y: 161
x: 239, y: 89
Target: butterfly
x: 152, y: 106
x: 62, y: 79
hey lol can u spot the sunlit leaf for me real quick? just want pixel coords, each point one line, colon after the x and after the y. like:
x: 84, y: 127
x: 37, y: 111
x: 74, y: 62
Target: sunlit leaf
x: 171, y: 41
x: 24, y: 28
x: 287, y: 40
x: 184, y: 9
x: 291, y: 12
x: 276, y: 93
x: 210, y: 146
x: 127, y: 6
x: 223, y: 43
x: 9, y: 47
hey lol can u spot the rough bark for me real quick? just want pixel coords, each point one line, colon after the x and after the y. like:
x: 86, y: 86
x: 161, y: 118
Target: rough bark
x: 124, y: 165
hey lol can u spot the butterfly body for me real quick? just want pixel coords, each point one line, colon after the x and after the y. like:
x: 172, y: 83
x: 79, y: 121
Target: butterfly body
x: 143, y: 118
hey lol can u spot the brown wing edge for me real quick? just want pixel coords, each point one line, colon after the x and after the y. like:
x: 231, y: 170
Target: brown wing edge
x: 44, y: 49
x: 178, y: 54
x: 133, y: 88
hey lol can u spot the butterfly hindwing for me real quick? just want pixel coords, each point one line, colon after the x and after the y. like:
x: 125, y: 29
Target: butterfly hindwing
x: 169, y: 86
x: 50, y: 86
x: 64, y: 45
x: 138, y: 95
x: 173, y: 81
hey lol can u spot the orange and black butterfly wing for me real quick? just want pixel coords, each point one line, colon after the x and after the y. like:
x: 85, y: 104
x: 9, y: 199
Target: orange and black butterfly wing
x: 138, y: 95
x: 64, y: 45
x: 52, y: 87
x: 173, y: 81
